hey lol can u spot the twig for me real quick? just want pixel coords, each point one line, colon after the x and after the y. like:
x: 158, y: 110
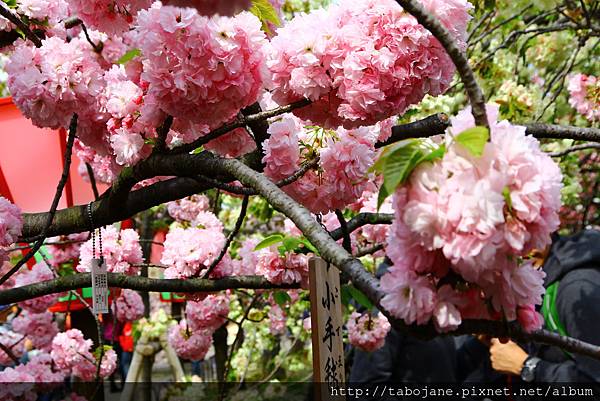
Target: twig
x: 575, y: 148
x: 238, y: 338
x: 456, y: 54
x: 92, y: 176
x: 240, y: 122
x: 6, y: 13
x: 161, y: 134
x: 97, y: 47
x: 230, y: 237
x: 9, y: 352
x: 346, y: 241
x: 57, y: 196
x: 369, y: 250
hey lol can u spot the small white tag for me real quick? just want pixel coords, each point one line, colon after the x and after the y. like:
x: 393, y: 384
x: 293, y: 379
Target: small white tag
x: 99, y: 287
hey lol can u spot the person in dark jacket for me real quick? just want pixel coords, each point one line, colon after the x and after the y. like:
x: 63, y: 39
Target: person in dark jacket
x: 573, y: 273
x: 405, y: 359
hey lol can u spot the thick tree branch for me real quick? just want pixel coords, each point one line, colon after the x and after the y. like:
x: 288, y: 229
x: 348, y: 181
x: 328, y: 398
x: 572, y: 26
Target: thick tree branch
x: 83, y: 280
x: 369, y: 285
x: 456, y: 54
x: 551, y: 131
x: 435, y: 124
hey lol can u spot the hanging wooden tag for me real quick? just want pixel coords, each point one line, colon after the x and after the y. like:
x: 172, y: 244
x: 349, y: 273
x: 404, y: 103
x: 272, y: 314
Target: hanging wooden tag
x: 99, y: 287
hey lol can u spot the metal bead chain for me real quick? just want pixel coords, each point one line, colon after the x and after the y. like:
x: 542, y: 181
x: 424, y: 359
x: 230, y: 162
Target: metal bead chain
x: 93, y: 233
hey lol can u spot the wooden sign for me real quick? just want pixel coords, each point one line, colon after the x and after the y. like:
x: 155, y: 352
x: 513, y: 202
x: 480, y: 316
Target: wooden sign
x: 326, y: 327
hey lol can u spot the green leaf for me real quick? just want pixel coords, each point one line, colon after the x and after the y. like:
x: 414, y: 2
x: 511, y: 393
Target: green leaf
x: 291, y: 243
x: 270, y: 240
x: 197, y: 151
x: 130, y: 55
x: 309, y: 246
x: 281, y: 298
x: 386, y: 152
x: 266, y: 13
x: 400, y: 164
x: 359, y: 297
x: 474, y: 139
x: 437, y: 154
x: 382, y: 196
x: 10, y: 3
x: 346, y: 297
x: 507, y: 199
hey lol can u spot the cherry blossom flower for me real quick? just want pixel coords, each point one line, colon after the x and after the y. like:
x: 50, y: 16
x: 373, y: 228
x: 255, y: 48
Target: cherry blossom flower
x: 40, y: 328
x: 367, y: 332
x: 121, y: 251
x: 585, y: 95
x: 39, y: 272
x: 208, y: 314
x: 11, y: 222
x: 128, y: 307
x: 189, y: 344
x: 362, y: 61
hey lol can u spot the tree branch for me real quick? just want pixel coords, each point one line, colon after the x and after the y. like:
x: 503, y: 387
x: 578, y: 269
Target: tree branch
x: 240, y: 122
x: 575, y: 148
x: 456, y: 54
x: 6, y: 13
x: 230, y: 237
x: 83, y: 280
x: 369, y: 285
x: 435, y: 124
x: 551, y: 131
x: 363, y: 219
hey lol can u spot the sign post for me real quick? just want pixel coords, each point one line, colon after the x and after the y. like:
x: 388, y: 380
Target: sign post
x: 326, y: 327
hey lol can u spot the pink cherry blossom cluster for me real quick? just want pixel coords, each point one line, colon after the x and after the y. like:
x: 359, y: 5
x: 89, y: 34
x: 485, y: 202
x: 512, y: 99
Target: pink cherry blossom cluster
x: 202, y: 70
x: 39, y: 272
x: 128, y: 306
x: 104, y: 167
x: 40, y: 328
x: 282, y: 269
x: 585, y: 95
x: 474, y: 218
x: 345, y: 158
x: 248, y: 258
x: 190, y: 251
x: 14, y: 342
x: 67, y: 249
x: 187, y: 209
x: 23, y: 377
x: 211, y: 7
x: 367, y: 332
x: 110, y: 16
x: 208, y: 314
x: 52, y: 10
x: 277, y: 320
x: 71, y: 354
x: 362, y: 61
x: 52, y: 82
x: 121, y: 251
x: 11, y: 222
x: 189, y: 344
